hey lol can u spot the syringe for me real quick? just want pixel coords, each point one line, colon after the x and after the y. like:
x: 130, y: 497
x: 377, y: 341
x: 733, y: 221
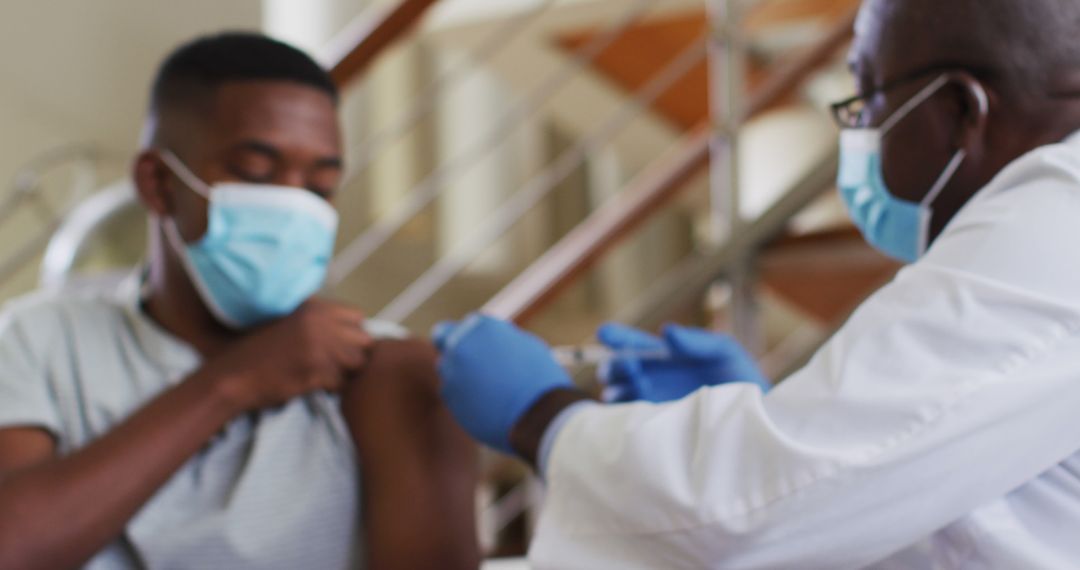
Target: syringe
x: 570, y: 357
x: 596, y: 354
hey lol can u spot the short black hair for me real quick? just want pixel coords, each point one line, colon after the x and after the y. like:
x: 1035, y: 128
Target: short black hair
x: 198, y: 68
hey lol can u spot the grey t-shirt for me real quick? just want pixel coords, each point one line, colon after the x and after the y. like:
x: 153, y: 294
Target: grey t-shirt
x: 275, y: 489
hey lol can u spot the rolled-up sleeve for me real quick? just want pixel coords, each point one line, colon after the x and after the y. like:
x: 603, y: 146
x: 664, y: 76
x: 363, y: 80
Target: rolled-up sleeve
x: 26, y: 399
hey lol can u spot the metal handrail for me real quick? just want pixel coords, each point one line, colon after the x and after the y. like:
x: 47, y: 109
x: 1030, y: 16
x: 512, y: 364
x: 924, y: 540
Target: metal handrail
x: 69, y: 239
x: 693, y: 276
x: 353, y: 255
x: 546, y: 278
x: 576, y: 253
x: 27, y: 180
x: 537, y: 188
x: 28, y: 188
x: 425, y: 102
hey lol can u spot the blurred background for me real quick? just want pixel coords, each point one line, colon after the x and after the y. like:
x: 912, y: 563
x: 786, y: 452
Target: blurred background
x: 556, y: 162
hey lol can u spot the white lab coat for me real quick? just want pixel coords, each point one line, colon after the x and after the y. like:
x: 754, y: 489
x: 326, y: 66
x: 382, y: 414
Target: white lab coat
x: 940, y: 428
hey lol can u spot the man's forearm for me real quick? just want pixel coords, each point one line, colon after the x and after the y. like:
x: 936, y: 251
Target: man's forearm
x: 529, y: 431
x: 58, y: 514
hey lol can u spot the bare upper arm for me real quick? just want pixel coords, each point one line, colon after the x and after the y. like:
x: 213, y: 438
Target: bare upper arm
x: 22, y: 447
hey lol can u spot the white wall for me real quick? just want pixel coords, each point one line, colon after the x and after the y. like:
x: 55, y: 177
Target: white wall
x: 74, y: 71
x: 81, y: 69
x: 310, y: 24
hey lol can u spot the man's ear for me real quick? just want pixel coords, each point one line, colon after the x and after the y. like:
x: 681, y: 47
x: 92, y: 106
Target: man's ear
x: 151, y: 178
x: 976, y: 105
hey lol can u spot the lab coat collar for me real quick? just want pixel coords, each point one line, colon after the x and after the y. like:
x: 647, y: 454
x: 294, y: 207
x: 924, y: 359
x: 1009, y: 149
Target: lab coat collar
x: 1072, y: 140
x: 1014, y: 174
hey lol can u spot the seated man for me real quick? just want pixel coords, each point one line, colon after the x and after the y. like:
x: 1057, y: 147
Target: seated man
x: 194, y: 420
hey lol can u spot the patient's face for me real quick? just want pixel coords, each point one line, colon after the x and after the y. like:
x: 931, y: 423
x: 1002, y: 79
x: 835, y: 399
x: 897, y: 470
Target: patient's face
x: 265, y: 132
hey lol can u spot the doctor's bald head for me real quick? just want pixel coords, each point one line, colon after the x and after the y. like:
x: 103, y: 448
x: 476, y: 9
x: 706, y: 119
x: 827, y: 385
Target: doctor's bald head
x: 1027, y: 45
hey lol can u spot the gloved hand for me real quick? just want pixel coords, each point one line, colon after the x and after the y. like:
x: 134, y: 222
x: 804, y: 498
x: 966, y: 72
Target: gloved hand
x: 492, y: 373
x: 699, y: 358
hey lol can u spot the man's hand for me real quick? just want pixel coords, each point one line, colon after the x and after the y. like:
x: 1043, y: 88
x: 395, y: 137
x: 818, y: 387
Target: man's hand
x: 316, y: 348
x: 698, y: 358
x: 492, y: 374
x: 313, y: 349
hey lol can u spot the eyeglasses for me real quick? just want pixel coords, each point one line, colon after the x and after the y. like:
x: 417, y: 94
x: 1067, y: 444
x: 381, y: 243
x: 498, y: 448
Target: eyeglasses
x: 851, y: 113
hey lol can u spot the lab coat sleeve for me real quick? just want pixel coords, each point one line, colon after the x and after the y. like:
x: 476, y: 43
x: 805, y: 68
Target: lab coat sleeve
x: 943, y: 392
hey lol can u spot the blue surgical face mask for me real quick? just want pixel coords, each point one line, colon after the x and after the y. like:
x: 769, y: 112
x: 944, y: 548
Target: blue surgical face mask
x: 898, y: 228
x: 265, y: 252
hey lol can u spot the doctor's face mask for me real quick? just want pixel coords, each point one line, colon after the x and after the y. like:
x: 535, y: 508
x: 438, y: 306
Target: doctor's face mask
x: 266, y: 248
x: 897, y: 227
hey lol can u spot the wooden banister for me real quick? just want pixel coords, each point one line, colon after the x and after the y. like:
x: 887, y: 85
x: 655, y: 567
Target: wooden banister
x: 358, y: 46
x: 576, y: 253
x: 588, y: 242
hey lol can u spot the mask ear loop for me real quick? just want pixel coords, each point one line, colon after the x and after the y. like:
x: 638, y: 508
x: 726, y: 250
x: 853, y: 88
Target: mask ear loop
x: 181, y: 250
x: 176, y: 241
x: 185, y: 174
x: 913, y: 103
x: 926, y: 206
x: 172, y: 232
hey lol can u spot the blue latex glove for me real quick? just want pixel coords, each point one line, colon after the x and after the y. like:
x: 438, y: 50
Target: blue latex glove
x: 492, y: 373
x: 699, y: 358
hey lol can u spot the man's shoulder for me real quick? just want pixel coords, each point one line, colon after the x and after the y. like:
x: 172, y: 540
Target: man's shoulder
x: 1037, y: 179
x: 37, y: 313
x: 1019, y: 230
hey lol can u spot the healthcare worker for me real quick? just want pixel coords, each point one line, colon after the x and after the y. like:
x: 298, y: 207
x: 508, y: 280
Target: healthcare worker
x: 939, y: 428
